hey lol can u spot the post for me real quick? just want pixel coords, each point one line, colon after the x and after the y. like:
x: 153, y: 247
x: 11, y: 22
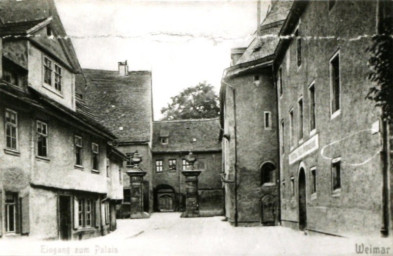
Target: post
x: 136, y: 175
x: 192, y: 200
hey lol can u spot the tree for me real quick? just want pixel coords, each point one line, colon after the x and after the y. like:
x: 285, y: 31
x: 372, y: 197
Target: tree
x: 195, y: 102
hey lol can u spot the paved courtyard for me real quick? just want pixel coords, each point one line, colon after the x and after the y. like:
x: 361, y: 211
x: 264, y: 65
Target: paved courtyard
x: 168, y: 234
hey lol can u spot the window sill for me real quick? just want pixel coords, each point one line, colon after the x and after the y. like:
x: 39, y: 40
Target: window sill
x: 314, y: 196
x: 335, y: 114
x: 336, y: 192
x: 43, y: 158
x: 85, y: 229
x: 300, y: 141
x: 95, y: 171
x: 11, y: 152
x: 268, y: 184
x: 268, y: 128
x: 79, y: 167
x: 51, y: 89
x: 313, y: 132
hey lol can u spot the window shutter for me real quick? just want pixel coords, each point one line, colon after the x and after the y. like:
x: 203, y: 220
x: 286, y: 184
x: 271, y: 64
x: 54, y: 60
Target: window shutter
x: 97, y: 213
x: 76, y: 213
x: 1, y: 213
x: 25, y: 205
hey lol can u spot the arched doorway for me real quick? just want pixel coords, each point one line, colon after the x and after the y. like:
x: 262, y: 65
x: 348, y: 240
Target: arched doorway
x: 165, y: 198
x: 302, y: 200
x: 268, y: 215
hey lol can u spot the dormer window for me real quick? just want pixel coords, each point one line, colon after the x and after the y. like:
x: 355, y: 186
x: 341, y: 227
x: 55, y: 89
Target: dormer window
x: 164, y: 140
x: 52, y: 74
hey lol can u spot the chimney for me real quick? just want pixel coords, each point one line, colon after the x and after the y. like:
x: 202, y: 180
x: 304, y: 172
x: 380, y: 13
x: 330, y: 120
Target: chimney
x: 123, y: 68
x: 236, y: 53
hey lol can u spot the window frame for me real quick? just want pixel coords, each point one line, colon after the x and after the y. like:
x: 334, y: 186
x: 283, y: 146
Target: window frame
x: 43, y: 135
x: 335, y: 112
x: 159, y: 167
x: 312, y: 108
x: 13, y: 125
x: 48, y: 68
x: 185, y: 165
x: 300, y: 103
x: 280, y: 89
x: 336, y: 162
x: 298, y: 48
x: 291, y: 128
x: 95, y: 153
x: 15, y: 207
x: 172, y: 162
x: 268, y: 125
x: 313, y: 178
x: 78, y: 150
x: 88, y: 212
x: 58, y: 77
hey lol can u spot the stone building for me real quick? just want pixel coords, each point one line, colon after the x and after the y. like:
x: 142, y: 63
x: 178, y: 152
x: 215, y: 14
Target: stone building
x: 59, y: 177
x: 122, y: 101
x: 172, y: 141
x: 249, y: 122
x: 332, y: 168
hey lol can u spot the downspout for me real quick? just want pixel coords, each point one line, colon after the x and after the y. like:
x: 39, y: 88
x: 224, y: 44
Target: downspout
x: 385, y: 153
x: 278, y: 147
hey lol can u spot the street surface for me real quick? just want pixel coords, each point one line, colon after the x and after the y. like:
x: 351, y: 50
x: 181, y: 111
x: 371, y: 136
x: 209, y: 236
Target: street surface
x: 168, y: 234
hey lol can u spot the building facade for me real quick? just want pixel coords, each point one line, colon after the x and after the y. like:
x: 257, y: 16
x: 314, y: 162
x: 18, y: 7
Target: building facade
x: 330, y: 134
x: 122, y: 101
x: 57, y: 171
x: 172, y: 141
x: 249, y: 123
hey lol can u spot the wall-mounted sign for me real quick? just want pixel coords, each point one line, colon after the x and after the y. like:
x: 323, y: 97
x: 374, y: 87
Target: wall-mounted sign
x: 306, y: 148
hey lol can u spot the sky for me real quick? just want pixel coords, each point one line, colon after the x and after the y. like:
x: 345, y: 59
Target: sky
x: 182, y: 42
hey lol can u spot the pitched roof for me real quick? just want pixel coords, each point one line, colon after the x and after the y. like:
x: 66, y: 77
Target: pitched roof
x: 123, y: 104
x: 196, y: 135
x: 17, y: 17
x: 265, y: 42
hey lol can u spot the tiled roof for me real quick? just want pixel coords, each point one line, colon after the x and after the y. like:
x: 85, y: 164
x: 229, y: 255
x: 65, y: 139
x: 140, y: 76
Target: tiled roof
x: 123, y: 104
x: 266, y: 43
x: 17, y: 16
x: 195, y: 135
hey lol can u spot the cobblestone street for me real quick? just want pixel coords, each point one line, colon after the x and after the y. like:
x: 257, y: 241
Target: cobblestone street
x: 168, y: 234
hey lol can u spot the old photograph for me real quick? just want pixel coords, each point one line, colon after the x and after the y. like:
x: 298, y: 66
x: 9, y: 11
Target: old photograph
x: 196, y: 127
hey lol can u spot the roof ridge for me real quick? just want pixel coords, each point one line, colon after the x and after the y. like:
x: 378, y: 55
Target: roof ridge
x: 107, y: 70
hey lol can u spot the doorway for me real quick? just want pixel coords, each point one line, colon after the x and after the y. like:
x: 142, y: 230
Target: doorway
x: 65, y: 217
x: 302, y: 200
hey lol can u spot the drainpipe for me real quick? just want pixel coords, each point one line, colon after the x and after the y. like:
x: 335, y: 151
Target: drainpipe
x: 385, y: 153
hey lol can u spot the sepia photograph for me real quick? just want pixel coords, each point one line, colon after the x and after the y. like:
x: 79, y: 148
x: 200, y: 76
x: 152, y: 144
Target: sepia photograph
x: 196, y: 127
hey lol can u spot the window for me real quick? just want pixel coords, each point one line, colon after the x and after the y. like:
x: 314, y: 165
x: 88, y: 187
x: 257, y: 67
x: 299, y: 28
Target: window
x: 331, y: 4
x: 42, y: 139
x: 298, y: 48
x: 282, y: 136
x: 164, y: 140
x: 336, y: 174
x: 11, y: 128
x: 280, y: 80
x: 292, y: 186
x: 158, y: 165
x: 268, y: 120
x: 267, y: 173
x: 78, y: 150
x: 335, y: 83
x: 81, y: 218
x: 47, y: 71
x: 185, y: 165
x: 313, y: 180
x: 291, y: 127
x: 107, y: 213
x: 311, y: 91
x: 96, y: 158
x: 48, y: 31
x: 300, y: 103
x: 58, y: 78
x: 256, y: 79
x: 172, y: 164
x: 88, y: 212
x: 10, y: 211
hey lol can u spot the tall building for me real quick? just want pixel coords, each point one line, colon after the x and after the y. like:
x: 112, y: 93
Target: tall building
x: 59, y: 176
x: 249, y: 127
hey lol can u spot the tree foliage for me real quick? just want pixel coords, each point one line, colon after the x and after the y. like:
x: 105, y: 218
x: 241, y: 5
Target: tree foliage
x: 195, y: 102
x: 381, y: 65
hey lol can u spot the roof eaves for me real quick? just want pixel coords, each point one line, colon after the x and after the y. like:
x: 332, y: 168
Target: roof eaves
x: 39, y: 25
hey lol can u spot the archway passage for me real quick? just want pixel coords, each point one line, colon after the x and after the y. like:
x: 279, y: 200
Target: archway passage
x: 302, y: 200
x: 165, y: 198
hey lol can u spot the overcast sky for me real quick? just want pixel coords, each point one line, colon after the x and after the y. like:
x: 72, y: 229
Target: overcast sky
x: 181, y: 42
